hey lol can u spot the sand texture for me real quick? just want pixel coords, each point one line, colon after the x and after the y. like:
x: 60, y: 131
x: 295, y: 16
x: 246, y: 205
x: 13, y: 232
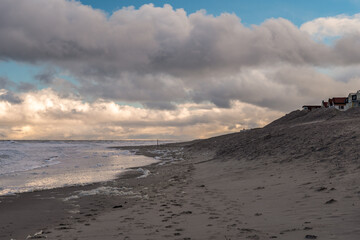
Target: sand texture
x: 297, y: 178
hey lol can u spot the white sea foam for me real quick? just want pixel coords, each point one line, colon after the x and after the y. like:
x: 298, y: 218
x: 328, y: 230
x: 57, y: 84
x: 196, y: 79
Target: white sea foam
x: 168, y: 156
x: 35, y: 165
x: 145, y: 172
x: 112, y: 191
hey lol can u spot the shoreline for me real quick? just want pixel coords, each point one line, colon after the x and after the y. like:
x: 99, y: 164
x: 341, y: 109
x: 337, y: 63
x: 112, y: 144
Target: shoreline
x: 62, y: 165
x: 41, y: 210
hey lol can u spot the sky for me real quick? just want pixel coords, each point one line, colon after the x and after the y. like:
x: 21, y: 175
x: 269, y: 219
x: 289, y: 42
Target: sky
x: 120, y: 69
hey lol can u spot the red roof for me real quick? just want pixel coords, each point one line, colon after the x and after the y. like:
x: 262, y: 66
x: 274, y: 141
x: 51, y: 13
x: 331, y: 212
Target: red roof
x: 311, y: 107
x: 339, y: 100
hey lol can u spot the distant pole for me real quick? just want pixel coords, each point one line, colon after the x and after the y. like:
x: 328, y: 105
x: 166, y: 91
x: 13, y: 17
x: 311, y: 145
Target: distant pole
x: 157, y: 142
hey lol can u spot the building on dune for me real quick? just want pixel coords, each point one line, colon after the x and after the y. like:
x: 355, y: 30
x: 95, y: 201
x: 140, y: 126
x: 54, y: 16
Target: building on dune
x: 339, y: 103
x: 354, y: 99
x: 324, y: 104
x: 311, y: 107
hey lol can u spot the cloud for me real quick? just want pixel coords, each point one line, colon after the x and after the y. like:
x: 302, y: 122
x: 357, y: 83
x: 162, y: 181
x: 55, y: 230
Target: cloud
x: 9, y: 97
x: 25, y: 86
x: 283, y: 88
x: 46, y: 76
x: 152, y: 55
x: 145, y: 39
x: 135, y: 87
x: 5, y: 83
x: 329, y: 27
x: 343, y: 32
x: 194, y: 75
x: 45, y: 114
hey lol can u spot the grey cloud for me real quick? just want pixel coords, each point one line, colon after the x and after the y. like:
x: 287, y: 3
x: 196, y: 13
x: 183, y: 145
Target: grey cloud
x: 47, y: 76
x: 152, y: 90
x: 162, y: 56
x: 65, y: 88
x: 10, y: 97
x: 160, y: 105
x: 224, y: 44
x: 347, y: 49
x: 5, y: 83
x: 25, y: 87
x: 147, y: 39
x: 345, y: 73
x: 283, y: 88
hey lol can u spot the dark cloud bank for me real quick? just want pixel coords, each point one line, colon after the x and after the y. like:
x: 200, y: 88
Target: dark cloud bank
x: 161, y: 57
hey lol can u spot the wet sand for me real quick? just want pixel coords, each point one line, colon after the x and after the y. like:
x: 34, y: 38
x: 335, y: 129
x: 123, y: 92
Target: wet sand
x: 284, y: 181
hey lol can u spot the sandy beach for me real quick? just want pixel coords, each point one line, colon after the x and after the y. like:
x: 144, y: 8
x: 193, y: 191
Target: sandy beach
x: 179, y: 120
x: 297, y: 178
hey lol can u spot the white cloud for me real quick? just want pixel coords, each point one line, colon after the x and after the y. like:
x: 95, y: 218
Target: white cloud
x: 329, y: 27
x: 46, y: 115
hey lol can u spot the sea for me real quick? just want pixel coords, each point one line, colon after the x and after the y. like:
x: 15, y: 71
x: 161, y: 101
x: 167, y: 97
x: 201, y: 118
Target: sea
x: 36, y: 165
